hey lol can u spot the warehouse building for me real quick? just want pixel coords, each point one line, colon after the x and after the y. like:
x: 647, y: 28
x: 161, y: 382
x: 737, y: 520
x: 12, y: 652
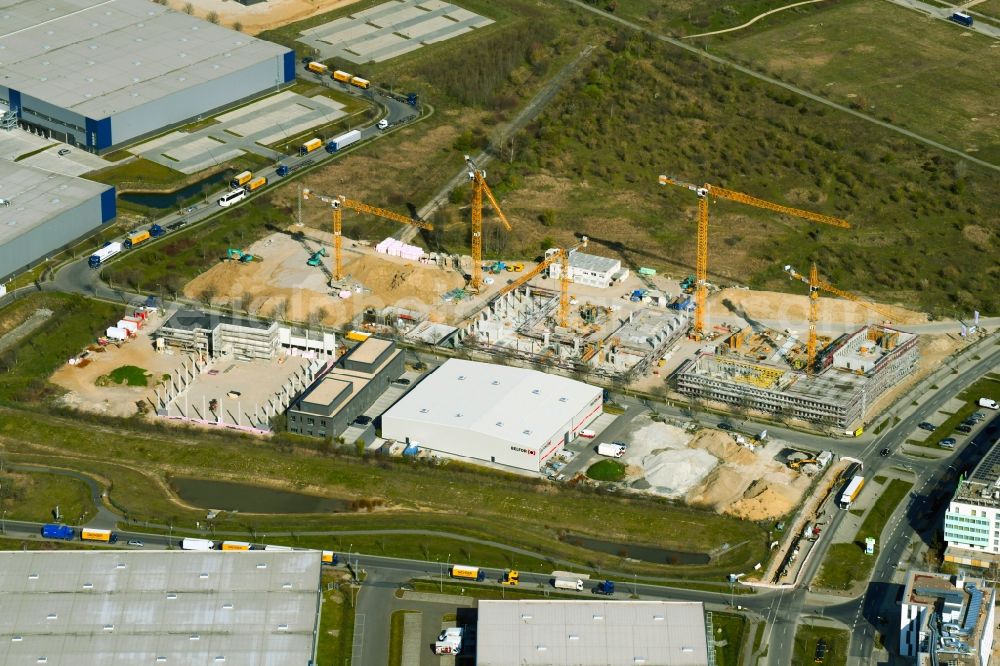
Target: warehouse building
x: 103, y: 73
x: 589, y: 269
x: 509, y: 416
x: 334, y: 400
x: 591, y: 633
x: 173, y: 607
x: 42, y: 212
x: 946, y: 620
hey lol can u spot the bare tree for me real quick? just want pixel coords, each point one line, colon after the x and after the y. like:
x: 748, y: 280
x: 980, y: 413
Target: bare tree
x: 212, y: 17
x: 237, y: 26
x: 188, y: 8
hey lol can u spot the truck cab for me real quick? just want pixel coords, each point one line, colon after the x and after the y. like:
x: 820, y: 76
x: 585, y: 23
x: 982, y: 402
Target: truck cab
x: 605, y: 587
x: 510, y: 577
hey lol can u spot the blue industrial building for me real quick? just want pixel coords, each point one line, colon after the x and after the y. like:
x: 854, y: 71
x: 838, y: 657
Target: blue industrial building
x: 100, y: 74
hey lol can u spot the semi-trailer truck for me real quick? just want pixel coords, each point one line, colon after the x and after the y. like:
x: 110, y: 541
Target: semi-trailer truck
x: 342, y: 141
x: 329, y: 558
x: 605, y: 587
x: 255, y: 184
x: 105, y: 536
x: 135, y: 239
x: 568, y: 584
x: 189, y: 543
x: 468, y: 573
x: 105, y: 253
x: 156, y: 231
x: 510, y: 577
x: 342, y: 76
x: 241, y: 179
x: 283, y: 169
x: 851, y: 492
x: 317, y: 67
x: 309, y: 146
x: 360, y: 82
x: 56, y: 531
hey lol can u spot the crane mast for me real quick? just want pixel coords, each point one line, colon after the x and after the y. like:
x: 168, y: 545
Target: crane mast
x: 480, y: 188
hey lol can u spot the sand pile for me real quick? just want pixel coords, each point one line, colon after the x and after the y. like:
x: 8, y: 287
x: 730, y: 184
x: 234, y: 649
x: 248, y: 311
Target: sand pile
x: 673, y: 472
x: 721, y: 488
x: 767, y: 499
x: 723, y: 447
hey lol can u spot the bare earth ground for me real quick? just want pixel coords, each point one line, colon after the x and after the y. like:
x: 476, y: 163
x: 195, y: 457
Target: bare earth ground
x: 115, y: 400
x: 793, y: 309
x: 711, y: 470
x: 283, y: 281
x: 263, y: 15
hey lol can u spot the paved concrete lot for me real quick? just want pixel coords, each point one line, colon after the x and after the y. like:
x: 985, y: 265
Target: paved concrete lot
x: 253, y: 384
x: 391, y: 29
x: 248, y: 129
x: 19, y: 142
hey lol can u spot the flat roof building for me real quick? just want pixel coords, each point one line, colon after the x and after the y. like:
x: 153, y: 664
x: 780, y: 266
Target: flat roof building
x: 591, y: 633
x: 972, y: 521
x: 329, y: 405
x: 509, y: 416
x: 42, y: 212
x: 146, y: 607
x: 946, y: 620
x: 103, y: 73
x: 589, y: 269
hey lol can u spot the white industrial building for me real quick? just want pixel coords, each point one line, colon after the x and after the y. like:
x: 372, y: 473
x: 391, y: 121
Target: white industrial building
x: 102, y: 73
x: 591, y: 633
x: 972, y: 521
x: 946, y: 620
x: 114, y: 607
x: 509, y: 416
x: 589, y: 269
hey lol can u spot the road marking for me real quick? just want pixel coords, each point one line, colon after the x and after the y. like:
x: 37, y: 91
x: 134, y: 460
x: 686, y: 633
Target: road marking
x: 358, y: 644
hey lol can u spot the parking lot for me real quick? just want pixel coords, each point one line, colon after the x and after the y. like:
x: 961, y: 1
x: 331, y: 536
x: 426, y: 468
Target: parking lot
x: 75, y: 162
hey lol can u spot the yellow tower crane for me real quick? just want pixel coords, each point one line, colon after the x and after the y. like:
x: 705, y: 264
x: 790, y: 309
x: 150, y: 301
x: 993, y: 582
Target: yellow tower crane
x: 479, y: 187
x: 701, y: 263
x: 338, y: 204
x: 562, y: 257
x: 815, y: 285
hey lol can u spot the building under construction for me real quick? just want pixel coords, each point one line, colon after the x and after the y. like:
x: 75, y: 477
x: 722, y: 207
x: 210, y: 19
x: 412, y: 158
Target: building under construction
x: 852, y: 373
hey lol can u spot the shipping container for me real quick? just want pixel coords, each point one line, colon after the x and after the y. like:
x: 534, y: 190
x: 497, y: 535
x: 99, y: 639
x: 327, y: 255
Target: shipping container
x: 360, y: 82
x: 255, y: 184
x: 105, y: 253
x: 342, y: 141
x: 342, y: 76
x: 317, y: 67
x: 241, y: 179
x: 309, y: 146
x: 107, y: 536
x: 196, y: 544
x: 469, y: 573
x: 235, y: 545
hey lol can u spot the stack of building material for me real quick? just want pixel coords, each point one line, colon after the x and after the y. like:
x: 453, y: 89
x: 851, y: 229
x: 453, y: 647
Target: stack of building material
x: 397, y: 248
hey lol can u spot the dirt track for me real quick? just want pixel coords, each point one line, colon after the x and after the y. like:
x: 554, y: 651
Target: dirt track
x: 263, y: 15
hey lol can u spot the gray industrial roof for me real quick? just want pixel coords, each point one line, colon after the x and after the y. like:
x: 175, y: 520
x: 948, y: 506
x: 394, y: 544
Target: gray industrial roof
x: 593, y: 262
x: 513, y: 404
x: 101, y: 57
x: 188, y: 607
x: 591, y: 633
x: 36, y: 196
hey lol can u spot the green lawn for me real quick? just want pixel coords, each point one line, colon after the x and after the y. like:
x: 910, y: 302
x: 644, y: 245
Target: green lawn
x: 139, y: 170
x: 607, y: 470
x: 396, y: 636
x: 33, y: 496
x: 336, y: 629
x: 807, y: 636
x: 846, y: 563
x: 730, y: 628
x: 128, y: 375
x: 987, y: 387
x: 684, y: 17
x: 884, y: 59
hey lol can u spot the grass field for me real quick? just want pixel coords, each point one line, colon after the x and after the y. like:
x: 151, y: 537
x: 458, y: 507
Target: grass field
x: 76, y: 323
x: 883, y: 59
x: 732, y: 629
x: 690, y: 17
x: 846, y: 563
x: 807, y: 636
x: 128, y: 375
x: 597, y: 151
x: 396, y: 621
x: 34, y: 496
x: 336, y: 629
x: 607, y: 470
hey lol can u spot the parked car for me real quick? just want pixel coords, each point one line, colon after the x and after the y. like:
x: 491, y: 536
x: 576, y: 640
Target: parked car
x: 136, y: 543
x: 964, y: 428
x: 948, y: 442
x: 363, y: 420
x: 884, y: 453
x: 725, y: 426
x: 978, y: 416
x: 402, y: 381
x: 63, y: 151
x: 926, y: 426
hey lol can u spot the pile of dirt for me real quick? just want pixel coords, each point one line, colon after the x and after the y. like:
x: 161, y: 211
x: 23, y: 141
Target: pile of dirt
x: 255, y: 18
x: 723, y: 447
x: 765, y: 499
x: 721, y: 488
x: 794, y: 309
x: 673, y: 472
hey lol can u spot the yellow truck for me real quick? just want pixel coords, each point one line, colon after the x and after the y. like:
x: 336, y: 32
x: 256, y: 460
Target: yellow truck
x: 317, y: 67
x: 135, y: 239
x: 342, y: 76
x: 105, y: 536
x: 360, y: 82
x: 241, y: 179
x: 235, y: 545
x: 255, y: 184
x: 310, y: 145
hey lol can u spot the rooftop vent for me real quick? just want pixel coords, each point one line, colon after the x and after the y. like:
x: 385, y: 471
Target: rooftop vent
x: 43, y: 660
x: 51, y: 616
x: 286, y: 586
x: 109, y: 627
x: 171, y: 595
x: 203, y: 575
x: 32, y: 576
x: 220, y: 658
x: 525, y: 617
x: 536, y: 391
x: 499, y: 424
x: 598, y: 618
x: 160, y: 659
x: 16, y: 639
x: 458, y: 415
x: 227, y: 606
x: 526, y: 432
x: 262, y: 565
x: 424, y: 410
x: 282, y: 627
x: 562, y: 399
x: 541, y: 648
x: 195, y: 637
x: 120, y: 565
x: 495, y: 382
x: 88, y: 586
x: 574, y: 637
x: 461, y: 378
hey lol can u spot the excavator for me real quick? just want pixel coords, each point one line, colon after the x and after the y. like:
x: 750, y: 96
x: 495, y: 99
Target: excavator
x: 232, y: 254
x: 317, y: 257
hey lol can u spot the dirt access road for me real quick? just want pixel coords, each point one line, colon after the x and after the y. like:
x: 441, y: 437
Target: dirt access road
x: 263, y: 15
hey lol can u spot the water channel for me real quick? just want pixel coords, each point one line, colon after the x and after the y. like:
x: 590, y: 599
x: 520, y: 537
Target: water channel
x: 164, y: 200
x: 245, y: 498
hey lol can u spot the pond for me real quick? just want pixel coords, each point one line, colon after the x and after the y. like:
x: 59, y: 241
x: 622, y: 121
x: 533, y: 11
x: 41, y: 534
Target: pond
x: 163, y: 200
x: 651, y: 554
x: 245, y: 498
